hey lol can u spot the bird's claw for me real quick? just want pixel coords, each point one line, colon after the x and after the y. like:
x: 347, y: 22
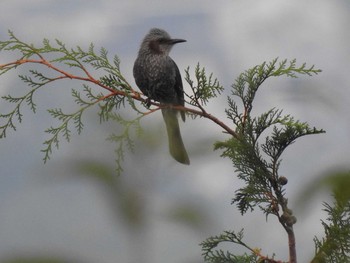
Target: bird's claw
x: 148, y: 102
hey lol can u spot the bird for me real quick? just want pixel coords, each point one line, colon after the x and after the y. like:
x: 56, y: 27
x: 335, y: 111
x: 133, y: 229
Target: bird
x: 158, y: 77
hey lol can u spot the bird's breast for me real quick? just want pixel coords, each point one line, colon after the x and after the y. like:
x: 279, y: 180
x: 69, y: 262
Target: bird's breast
x: 156, y: 77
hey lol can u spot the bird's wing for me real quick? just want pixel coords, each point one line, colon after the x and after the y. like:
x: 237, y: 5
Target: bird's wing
x: 179, y: 90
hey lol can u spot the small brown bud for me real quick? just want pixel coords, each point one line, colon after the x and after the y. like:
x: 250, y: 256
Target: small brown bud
x: 288, y: 218
x: 291, y: 220
x: 282, y: 180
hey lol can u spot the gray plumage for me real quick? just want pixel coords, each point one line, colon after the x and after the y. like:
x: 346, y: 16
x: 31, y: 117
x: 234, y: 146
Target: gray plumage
x: 158, y: 77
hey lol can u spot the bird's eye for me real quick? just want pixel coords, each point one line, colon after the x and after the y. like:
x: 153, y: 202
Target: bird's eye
x: 162, y: 40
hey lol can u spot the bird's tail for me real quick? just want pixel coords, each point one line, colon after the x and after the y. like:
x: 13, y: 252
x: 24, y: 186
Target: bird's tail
x: 176, y: 145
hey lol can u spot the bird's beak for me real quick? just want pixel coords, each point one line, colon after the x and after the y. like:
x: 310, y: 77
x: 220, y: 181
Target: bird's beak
x: 177, y: 40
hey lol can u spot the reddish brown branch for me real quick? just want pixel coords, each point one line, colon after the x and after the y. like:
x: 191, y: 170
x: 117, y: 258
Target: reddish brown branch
x: 135, y: 95
x: 292, y: 248
x: 287, y: 221
x: 210, y: 117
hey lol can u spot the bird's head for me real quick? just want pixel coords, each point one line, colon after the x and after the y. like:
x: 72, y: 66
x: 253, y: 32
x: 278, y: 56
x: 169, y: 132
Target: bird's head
x: 159, y: 42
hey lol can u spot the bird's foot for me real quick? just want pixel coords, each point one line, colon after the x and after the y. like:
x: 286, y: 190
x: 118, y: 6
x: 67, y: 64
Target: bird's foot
x: 148, y: 102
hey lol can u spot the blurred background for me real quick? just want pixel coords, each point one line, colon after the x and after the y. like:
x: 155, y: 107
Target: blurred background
x: 74, y: 209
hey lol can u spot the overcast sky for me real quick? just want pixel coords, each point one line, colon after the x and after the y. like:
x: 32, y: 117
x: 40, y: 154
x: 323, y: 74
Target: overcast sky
x: 45, y: 209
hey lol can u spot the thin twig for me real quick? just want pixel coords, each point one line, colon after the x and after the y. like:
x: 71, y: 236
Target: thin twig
x: 135, y: 95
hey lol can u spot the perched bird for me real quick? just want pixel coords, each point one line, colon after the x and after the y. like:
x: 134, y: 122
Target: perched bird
x: 158, y: 77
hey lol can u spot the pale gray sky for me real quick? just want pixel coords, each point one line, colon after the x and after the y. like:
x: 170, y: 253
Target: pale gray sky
x: 46, y: 210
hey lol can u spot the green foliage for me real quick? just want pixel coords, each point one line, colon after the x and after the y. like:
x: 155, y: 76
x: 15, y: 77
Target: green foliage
x: 211, y: 254
x: 248, y: 83
x: 335, y: 246
x: 340, y: 185
x: 255, y: 146
x: 54, y: 60
x: 203, y: 89
x: 16, y: 112
x: 257, y: 159
x: 258, y: 145
x: 125, y: 139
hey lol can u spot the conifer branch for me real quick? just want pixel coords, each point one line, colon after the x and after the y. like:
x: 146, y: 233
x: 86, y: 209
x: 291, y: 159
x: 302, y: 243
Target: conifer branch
x: 264, y: 186
x: 255, y: 144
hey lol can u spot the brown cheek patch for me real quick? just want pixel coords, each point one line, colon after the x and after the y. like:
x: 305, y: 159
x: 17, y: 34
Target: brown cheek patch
x: 154, y: 46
